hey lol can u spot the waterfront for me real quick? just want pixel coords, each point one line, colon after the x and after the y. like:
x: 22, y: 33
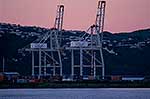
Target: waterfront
x: 100, y: 93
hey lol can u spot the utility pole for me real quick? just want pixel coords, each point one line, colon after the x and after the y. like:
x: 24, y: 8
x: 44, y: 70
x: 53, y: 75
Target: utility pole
x: 3, y: 64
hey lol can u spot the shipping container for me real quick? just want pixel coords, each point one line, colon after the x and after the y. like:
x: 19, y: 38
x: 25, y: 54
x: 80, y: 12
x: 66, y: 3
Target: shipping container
x: 22, y: 81
x: 132, y: 78
x: 1, y: 77
x: 91, y: 78
x: 115, y: 78
x: 11, y: 75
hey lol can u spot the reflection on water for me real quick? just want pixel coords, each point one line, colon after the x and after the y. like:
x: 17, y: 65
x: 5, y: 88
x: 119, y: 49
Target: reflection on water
x: 102, y: 93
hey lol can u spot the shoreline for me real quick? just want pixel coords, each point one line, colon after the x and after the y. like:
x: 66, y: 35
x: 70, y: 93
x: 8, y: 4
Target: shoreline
x: 81, y: 84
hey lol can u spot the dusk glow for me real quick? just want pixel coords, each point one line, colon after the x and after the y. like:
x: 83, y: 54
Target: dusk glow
x: 121, y: 15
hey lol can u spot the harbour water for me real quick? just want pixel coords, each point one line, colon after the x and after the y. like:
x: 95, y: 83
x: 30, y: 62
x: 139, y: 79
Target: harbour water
x: 101, y: 93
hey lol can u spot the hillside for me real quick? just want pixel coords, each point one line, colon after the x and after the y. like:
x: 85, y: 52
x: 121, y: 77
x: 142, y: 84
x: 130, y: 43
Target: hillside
x: 131, y: 49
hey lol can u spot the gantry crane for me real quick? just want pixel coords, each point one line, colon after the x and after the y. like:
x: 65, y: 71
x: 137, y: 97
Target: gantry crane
x: 90, y: 45
x: 46, y: 49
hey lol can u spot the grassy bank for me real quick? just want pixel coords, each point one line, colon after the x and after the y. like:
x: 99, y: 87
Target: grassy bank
x: 79, y: 84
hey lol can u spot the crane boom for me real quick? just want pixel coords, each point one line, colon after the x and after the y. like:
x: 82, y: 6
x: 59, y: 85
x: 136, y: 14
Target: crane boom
x: 59, y: 17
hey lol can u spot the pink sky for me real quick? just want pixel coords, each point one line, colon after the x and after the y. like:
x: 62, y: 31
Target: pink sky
x: 121, y: 15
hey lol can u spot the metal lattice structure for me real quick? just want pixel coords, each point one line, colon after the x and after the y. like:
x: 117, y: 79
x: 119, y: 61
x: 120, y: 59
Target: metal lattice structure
x: 59, y: 17
x: 90, y: 45
x: 99, y: 28
x: 46, y: 49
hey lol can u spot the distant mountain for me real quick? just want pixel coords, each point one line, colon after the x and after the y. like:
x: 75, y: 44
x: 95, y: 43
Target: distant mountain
x: 124, y: 53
